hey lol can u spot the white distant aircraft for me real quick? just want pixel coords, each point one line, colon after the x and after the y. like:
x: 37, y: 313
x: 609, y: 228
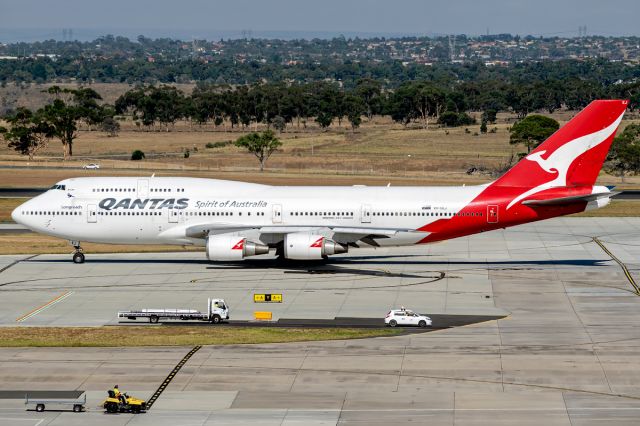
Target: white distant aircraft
x: 234, y: 220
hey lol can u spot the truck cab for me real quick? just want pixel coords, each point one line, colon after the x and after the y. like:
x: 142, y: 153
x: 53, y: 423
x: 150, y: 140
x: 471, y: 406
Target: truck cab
x: 218, y: 310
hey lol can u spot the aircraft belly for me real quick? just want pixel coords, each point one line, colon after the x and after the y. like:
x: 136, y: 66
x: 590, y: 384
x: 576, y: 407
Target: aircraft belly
x: 402, y: 239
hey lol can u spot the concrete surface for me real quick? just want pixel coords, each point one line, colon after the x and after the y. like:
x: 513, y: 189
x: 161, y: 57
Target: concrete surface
x: 566, y: 355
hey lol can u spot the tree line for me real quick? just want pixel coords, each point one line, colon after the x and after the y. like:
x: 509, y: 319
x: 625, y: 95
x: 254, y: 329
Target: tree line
x: 280, y: 106
x: 573, y: 79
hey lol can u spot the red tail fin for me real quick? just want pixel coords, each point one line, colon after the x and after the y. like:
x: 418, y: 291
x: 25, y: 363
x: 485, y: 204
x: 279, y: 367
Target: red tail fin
x: 572, y: 156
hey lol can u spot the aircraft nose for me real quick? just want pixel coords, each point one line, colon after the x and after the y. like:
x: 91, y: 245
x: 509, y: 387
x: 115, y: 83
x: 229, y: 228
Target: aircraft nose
x: 15, y: 214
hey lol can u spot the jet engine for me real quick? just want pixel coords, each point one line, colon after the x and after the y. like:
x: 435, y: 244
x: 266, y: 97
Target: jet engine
x: 226, y: 247
x: 303, y: 246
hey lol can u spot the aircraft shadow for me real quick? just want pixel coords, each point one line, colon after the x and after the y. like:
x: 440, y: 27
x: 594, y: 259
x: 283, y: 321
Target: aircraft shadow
x: 332, y: 264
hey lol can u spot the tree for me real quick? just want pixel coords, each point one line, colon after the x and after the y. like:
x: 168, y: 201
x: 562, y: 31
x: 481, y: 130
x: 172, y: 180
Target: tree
x: 137, y: 155
x: 624, y: 155
x: 355, y: 108
x: 168, y: 103
x: 452, y: 119
x: 369, y: 91
x: 110, y: 126
x: 324, y: 119
x: 490, y: 116
x: 28, y: 133
x: 416, y: 100
x: 483, y: 125
x: 279, y: 123
x: 428, y: 101
x: 64, y: 115
x: 164, y: 104
x: 532, y: 130
x: 448, y: 119
x: 327, y: 103
x: 262, y: 145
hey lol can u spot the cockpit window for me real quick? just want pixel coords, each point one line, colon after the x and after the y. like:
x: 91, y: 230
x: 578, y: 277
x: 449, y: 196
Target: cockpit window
x: 61, y: 187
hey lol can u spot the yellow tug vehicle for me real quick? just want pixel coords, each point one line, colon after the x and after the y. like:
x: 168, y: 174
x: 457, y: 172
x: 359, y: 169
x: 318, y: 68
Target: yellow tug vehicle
x: 124, y: 404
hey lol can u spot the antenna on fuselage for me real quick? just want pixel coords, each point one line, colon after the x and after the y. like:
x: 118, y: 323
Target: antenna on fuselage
x: 153, y: 175
x: 389, y: 184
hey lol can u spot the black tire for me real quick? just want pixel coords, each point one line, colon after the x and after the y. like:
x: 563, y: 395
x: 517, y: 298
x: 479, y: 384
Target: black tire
x: 78, y: 258
x: 135, y: 409
x: 216, y: 319
x: 40, y: 408
x: 153, y: 319
x: 393, y: 323
x: 111, y: 407
x: 77, y: 408
x: 422, y: 323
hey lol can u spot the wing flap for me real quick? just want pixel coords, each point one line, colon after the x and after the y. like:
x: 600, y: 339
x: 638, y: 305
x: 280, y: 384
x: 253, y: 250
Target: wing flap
x: 202, y: 230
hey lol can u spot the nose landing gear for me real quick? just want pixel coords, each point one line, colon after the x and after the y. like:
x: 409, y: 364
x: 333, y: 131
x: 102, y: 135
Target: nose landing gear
x: 78, y: 256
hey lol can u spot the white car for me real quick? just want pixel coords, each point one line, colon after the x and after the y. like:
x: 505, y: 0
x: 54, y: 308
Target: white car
x: 397, y: 317
x: 92, y: 166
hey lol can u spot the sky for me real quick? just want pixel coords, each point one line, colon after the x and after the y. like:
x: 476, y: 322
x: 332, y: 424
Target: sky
x: 30, y: 20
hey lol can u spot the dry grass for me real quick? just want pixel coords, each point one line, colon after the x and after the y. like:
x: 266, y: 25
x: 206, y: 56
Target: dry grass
x: 121, y: 336
x: 379, y: 152
x: 6, y: 207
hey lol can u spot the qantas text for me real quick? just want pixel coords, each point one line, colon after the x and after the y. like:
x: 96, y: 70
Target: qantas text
x: 150, y: 203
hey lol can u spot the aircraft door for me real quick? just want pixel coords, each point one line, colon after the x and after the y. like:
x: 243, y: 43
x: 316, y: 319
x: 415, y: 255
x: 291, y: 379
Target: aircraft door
x: 143, y: 188
x: 365, y: 213
x: 92, y: 213
x: 174, y: 215
x: 276, y: 215
x: 492, y: 213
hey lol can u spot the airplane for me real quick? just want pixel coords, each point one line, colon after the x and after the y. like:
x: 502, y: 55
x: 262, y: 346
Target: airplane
x: 234, y: 220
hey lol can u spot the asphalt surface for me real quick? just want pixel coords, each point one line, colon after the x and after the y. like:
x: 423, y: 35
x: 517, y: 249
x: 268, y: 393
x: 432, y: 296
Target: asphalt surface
x: 440, y: 322
x: 564, y: 354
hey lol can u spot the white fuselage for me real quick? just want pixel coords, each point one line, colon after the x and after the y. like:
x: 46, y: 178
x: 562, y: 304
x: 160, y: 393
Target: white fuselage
x: 160, y: 210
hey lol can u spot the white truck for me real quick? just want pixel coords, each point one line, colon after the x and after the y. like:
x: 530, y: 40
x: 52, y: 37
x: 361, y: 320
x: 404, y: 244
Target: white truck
x: 217, y: 311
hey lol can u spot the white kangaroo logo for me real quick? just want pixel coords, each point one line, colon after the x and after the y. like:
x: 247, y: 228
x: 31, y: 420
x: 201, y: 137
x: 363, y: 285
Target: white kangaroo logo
x: 561, y: 159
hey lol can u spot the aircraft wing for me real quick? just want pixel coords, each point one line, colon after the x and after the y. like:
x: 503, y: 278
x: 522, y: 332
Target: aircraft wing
x: 569, y: 200
x: 341, y: 234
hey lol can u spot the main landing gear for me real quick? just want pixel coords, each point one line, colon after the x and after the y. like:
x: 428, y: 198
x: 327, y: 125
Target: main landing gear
x: 78, y: 256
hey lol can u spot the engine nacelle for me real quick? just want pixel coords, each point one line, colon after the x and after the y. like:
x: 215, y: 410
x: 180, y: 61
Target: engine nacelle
x: 226, y: 247
x: 301, y: 246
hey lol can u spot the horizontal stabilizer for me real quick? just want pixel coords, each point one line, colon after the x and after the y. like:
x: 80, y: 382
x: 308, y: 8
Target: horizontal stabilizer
x: 569, y: 200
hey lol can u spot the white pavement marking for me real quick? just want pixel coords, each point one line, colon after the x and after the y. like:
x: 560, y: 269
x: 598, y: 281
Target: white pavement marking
x: 45, y: 306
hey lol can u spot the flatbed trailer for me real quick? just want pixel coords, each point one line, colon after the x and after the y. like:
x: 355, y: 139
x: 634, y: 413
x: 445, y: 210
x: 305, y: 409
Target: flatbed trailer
x: 75, y: 404
x: 217, y: 311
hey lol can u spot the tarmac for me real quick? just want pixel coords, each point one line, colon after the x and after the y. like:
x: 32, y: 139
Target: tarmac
x: 564, y: 353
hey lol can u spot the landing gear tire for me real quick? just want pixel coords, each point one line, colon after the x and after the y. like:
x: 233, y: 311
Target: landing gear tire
x: 78, y: 257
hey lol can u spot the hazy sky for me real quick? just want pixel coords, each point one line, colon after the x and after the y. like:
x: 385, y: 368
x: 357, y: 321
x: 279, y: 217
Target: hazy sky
x: 198, y: 18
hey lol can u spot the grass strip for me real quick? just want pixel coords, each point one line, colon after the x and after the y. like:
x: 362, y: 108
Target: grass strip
x: 129, y: 336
